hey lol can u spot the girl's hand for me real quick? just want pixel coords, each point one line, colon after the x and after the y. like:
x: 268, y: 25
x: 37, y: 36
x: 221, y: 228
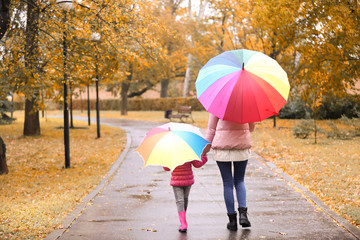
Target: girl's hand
x: 204, y: 158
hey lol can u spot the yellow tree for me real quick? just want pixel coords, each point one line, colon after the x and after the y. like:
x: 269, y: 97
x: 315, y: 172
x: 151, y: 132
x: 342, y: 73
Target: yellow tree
x: 323, y: 32
x: 159, y: 49
x: 194, y: 17
x: 139, y: 49
x: 91, y: 56
x: 276, y: 26
x: 208, y: 33
x: 236, y: 24
x: 38, y: 69
x: 328, y: 53
x: 226, y: 23
x: 335, y: 31
x: 314, y: 81
x: 172, y: 65
x: 330, y: 35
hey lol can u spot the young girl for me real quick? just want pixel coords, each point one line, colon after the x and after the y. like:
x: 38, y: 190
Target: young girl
x: 181, y: 180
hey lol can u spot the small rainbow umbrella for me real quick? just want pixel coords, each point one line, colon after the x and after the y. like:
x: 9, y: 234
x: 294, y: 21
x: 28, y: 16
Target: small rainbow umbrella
x: 171, y: 145
x: 242, y: 86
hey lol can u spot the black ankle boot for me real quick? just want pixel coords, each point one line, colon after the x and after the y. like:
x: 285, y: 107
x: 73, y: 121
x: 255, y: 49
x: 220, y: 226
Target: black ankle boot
x: 232, y: 225
x: 243, y: 219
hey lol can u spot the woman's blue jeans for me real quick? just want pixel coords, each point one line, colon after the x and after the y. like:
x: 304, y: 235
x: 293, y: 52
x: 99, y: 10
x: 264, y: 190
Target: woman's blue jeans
x: 230, y: 181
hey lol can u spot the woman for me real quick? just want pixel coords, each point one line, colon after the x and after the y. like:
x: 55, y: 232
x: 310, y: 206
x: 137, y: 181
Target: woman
x: 231, y: 143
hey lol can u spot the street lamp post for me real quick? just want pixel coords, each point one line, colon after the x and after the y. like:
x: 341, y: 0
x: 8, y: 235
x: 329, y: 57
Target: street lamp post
x: 88, y: 103
x: 71, y: 107
x: 96, y: 37
x: 97, y: 99
x: 66, y: 5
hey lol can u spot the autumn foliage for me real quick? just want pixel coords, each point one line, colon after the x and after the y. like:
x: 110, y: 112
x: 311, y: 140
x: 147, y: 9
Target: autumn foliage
x: 132, y: 46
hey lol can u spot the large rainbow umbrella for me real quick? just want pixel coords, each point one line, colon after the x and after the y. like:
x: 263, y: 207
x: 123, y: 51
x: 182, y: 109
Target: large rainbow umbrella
x: 242, y: 86
x: 171, y: 145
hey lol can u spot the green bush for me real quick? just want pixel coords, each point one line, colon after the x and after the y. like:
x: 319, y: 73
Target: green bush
x: 139, y: 104
x: 6, y: 106
x: 354, y: 123
x: 336, y: 133
x: 334, y: 107
x: 304, y: 129
x: 293, y: 109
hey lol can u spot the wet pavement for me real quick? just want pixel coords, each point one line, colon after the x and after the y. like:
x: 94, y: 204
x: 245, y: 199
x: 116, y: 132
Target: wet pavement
x: 134, y: 202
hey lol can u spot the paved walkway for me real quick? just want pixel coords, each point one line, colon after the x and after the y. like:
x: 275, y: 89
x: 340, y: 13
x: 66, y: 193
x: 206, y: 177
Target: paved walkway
x: 134, y: 202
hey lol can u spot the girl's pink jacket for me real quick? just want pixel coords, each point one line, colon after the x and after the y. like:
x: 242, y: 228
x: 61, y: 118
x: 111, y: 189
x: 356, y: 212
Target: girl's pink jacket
x: 228, y: 135
x: 183, y: 175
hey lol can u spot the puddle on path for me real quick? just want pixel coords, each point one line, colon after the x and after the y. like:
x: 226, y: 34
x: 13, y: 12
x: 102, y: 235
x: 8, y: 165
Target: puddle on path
x: 145, y: 197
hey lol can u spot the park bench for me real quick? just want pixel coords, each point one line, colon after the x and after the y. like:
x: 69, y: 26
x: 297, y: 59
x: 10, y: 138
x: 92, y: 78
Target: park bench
x: 183, y: 112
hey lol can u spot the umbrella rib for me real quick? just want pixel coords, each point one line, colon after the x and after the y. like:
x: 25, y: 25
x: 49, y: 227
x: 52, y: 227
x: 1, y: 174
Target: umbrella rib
x: 218, y: 94
x: 252, y: 91
x: 258, y: 109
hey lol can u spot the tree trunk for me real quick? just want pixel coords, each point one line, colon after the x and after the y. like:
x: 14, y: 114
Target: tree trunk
x: 274, y: 120
x: 124, y: 90
x: 315, y: 127
x: 3, y: 166
x: 223, y: 30
x: 4, y: 17
x: 125, y: 85
x: 174, y: 6
x: 164, y: 88
x: 187, y: 81
x: 32, y: 123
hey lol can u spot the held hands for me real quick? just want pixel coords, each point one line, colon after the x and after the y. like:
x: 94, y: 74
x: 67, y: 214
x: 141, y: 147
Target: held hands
x: 206, y: 149
x: 196, y: 163
x: 204, y: 158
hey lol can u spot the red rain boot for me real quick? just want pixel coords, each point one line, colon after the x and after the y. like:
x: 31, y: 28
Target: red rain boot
x: 182, y: 217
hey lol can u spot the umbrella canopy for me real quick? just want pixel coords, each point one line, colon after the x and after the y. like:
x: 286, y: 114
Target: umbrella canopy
x: 242, y: 86
x: 171, y: 145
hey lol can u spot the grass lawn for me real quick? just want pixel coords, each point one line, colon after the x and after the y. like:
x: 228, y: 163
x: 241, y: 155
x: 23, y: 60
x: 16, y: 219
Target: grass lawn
x: 330, y: 169
x: 37, y: 194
